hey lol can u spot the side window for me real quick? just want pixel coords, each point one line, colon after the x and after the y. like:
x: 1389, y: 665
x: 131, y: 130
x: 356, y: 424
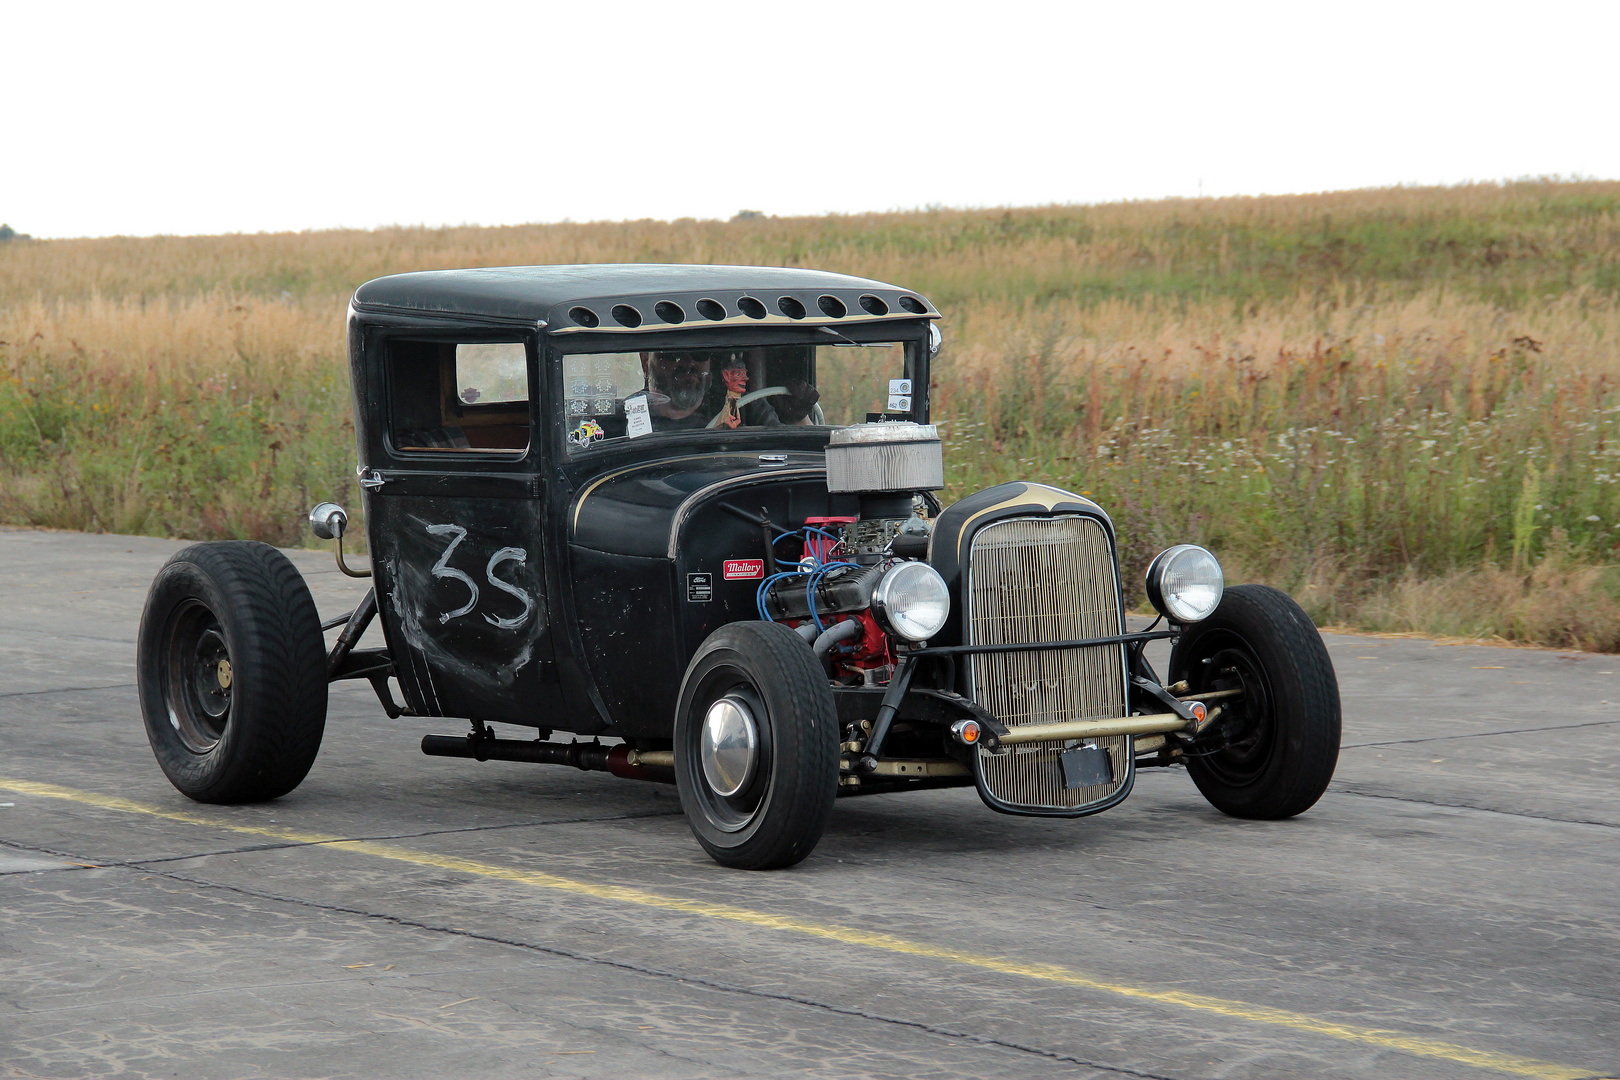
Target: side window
x: 491, y: 374
x: 469, y: 397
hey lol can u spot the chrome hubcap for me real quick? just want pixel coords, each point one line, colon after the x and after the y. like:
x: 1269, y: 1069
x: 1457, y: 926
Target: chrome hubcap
x: 730, y: 746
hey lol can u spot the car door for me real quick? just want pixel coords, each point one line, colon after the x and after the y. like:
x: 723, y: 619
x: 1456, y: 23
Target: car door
x: 456, y: 514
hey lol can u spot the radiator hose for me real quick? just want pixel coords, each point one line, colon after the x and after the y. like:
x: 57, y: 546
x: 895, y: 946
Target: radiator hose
x: 834, y: 634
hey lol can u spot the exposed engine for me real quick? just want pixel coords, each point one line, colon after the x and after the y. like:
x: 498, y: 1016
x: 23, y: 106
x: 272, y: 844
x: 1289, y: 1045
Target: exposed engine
x: 848, y: 595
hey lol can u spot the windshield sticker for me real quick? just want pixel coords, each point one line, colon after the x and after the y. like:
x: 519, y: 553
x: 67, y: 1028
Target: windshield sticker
x: 899, y: 395
x: 638, y: 420
x: 602, y: 374
x: 587, y: 432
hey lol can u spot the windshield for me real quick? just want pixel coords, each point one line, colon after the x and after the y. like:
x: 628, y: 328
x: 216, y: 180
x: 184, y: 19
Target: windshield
x: 631, y: 394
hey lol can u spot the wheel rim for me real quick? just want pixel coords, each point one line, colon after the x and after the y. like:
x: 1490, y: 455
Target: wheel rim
x: 199, y: 677
x: 729, y: 746
x: 1227, y: 662
x: 730, y: 779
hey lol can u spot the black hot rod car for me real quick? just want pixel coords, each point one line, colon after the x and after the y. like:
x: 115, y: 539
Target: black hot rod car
x: 691, y: 510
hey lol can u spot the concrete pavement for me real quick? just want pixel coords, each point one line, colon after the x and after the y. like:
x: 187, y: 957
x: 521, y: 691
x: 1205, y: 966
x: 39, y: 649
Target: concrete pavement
x: 1448, y: 910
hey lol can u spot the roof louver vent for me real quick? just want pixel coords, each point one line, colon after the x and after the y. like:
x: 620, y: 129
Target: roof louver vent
x: 874, y: 305
x: 790, y: 307
x: 751, y: 307
x: 711, y: 309
x: 669, y: 312
x: 831, y: 306
x: 913, y: 305
x: 584, y: 316
x: 626, y: 315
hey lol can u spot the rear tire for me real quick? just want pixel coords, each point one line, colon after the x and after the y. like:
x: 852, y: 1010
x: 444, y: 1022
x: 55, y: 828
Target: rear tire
x: 231, y: 670
x: 1284, y: 730
x: 768, y: 673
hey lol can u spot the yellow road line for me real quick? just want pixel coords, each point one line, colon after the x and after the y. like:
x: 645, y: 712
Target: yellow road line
x: 1051, y: 973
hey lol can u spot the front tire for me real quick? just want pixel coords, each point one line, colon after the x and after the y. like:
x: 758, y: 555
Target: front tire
x: 761, y: 799
x: 1282, y: 734
x: 231, y: 671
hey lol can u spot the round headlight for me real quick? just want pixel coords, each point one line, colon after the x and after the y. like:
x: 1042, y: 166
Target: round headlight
x: 1185, y: 583
x: 912, y: 601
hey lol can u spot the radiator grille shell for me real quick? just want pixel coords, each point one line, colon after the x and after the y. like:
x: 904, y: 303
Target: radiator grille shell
x: 1045, y: 579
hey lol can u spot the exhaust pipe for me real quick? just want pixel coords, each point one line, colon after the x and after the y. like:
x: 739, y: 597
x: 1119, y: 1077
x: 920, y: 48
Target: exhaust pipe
x: 621, y: 760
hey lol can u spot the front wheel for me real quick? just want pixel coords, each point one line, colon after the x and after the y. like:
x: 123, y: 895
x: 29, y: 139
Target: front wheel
x: 231, y: 670
x: 1278, y: 740
x: 756, y: 747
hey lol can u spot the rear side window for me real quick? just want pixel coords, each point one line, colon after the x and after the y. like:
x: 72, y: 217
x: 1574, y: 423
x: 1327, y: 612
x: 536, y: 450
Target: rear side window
x: 492, y: 374
x: 467, y: 397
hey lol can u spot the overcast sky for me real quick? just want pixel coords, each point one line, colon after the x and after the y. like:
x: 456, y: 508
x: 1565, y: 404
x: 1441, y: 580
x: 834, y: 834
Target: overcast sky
x: 205, y: 118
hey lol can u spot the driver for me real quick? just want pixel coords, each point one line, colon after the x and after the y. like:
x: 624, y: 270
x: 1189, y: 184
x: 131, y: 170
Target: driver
x: 677, y: 383
x: 679, y: 388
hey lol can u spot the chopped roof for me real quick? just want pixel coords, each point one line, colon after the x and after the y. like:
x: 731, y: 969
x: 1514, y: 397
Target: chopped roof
x: 631, y: 297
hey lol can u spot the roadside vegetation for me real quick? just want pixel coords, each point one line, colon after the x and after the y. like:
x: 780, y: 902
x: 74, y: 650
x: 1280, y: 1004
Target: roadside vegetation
x: 1399, y: 405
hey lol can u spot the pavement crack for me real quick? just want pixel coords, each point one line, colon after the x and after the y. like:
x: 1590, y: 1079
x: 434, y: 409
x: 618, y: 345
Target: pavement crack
x: 1481, y: 734
x: 1471, y: 806
x: 248, y: 849
x: 34, y: 631
x: 68, y: 690
x: 659, y: 973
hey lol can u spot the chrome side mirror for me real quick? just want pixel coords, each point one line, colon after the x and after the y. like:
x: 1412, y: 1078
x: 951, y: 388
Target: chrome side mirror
x: 328, y: 520
x: 935, y: 340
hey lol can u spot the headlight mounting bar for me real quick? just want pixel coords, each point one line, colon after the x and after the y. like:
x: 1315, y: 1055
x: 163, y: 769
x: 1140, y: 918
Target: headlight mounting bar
x: 1037, y: 646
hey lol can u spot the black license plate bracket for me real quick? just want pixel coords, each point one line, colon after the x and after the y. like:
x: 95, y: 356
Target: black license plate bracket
x: 1086, y: 766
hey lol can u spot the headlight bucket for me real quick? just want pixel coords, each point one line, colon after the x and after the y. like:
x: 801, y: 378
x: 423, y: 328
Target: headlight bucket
x: 1184, y: 583
x: 911, y: 601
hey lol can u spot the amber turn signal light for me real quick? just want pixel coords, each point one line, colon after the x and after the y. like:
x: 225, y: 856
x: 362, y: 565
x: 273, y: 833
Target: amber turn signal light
x: 966, y: 732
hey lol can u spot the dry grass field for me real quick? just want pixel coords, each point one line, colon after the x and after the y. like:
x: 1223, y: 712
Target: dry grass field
x: 1397, y: 404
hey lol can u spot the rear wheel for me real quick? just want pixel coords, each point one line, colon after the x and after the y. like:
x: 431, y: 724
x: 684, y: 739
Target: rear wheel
x: 231, y: 668
x: 756, y: 747
x: 1279, y: 740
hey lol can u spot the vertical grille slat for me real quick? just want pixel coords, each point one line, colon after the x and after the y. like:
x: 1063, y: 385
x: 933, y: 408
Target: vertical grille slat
x: 1045, y: 579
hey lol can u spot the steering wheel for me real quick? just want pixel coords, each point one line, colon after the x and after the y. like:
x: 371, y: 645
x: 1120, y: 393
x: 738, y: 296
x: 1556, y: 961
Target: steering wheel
x: 751, y: 396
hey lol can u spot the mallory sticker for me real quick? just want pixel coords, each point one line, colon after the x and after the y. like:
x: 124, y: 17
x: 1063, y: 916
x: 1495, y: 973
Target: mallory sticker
x: 744, y: 569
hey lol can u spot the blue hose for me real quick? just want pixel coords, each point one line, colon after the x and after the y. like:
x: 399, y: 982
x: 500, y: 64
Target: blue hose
x: 810, y: 587
x: 764, y: 586
x: 818, y: 570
